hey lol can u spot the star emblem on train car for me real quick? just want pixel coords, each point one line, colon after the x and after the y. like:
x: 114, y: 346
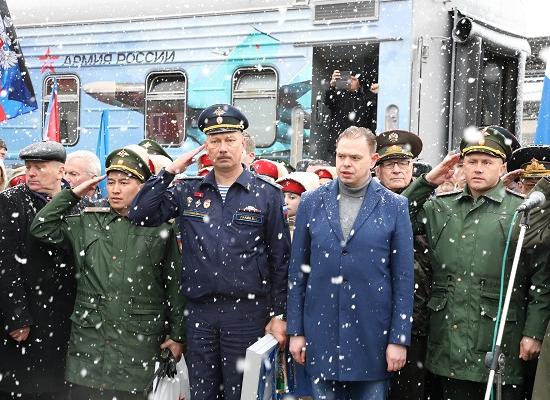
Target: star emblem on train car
x: 47, y: 60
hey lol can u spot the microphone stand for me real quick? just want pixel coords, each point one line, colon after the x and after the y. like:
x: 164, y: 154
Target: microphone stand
x: 495, y: 360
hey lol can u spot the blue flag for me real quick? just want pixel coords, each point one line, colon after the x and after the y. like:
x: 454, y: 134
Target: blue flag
x: 543, y: 124
x: 102, y: 149
x: 16, y: 92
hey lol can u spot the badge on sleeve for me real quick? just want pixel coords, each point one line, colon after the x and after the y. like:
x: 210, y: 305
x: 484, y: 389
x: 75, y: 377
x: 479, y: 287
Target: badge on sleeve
x: 206, y: 203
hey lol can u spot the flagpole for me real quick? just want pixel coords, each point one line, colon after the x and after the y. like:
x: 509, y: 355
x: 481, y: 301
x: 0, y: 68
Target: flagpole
x: 102, y: 148
x: 51, y: 128
x: 543, y: 123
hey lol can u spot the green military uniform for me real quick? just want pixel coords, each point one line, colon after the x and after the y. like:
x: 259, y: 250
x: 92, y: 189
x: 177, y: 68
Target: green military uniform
x: 537, y: 239
x: 467, y: 238
x: 128, y: 287
x: 409, y: 382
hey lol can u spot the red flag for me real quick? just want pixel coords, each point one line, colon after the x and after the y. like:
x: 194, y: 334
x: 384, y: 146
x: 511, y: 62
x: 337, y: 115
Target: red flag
x: 51, y: 131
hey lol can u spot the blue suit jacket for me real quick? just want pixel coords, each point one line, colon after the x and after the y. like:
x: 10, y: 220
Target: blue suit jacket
x: 351, y: 298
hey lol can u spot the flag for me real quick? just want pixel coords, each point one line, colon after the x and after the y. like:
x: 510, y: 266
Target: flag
x: 543, y: 125
x: 52, y: 126
x: 16, y: 91
x: 102, y: 148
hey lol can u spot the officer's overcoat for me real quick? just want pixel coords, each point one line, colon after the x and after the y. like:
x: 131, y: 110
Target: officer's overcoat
x: 351, y: 298
x: 127, y: 293
x: 37, y: 288
x: 467, y: 239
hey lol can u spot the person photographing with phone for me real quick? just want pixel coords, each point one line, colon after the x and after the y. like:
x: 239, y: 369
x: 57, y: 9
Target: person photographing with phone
x: 351, y: 102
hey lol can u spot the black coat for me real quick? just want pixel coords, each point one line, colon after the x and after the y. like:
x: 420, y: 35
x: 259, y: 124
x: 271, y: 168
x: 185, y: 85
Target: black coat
x: 350, y: 109
x: 37, y: 287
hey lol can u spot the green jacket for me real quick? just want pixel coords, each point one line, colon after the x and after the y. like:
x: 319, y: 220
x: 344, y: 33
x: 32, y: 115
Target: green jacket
x: 467, y: 240
x: 127, y: 293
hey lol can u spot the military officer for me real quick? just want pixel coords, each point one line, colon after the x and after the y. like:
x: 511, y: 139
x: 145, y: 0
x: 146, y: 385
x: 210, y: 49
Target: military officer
x: 128, y: 296
x: 235, y: 253
x: 533, y: 163
x: 394, y: 168
x: 466, y: 232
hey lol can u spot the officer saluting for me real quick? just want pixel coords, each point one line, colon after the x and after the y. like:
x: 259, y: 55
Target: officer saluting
x: 532, y: 163
x: 235, y: 253
x: 466, y: 232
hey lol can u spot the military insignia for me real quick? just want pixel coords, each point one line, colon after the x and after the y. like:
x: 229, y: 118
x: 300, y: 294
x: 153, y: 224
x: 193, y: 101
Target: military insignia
x: 219, y: 120
x: 250, y: 209
x: 206, y: 203
x: 198, y: 203
x: 394, y: 149
x: 247, y: 218
x: 146, y: 145
x: 393, y: 137
x: 219, y: 111
x: 120, y: 162
x: 189, y: 201
x: 200, y: 195
x: 122, y: 153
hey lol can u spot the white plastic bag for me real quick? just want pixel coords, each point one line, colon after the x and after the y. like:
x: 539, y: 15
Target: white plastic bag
x: 176, y: 388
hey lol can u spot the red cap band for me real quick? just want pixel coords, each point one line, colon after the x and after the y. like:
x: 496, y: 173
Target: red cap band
x: 292, y: 186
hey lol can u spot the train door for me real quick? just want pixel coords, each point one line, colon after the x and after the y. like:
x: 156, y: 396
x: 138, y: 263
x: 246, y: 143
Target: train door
x: 361, y: 58
x: 490, y: 66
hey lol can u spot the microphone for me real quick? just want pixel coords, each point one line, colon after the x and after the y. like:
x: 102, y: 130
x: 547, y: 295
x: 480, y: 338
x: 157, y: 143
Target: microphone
x: 535, y: 199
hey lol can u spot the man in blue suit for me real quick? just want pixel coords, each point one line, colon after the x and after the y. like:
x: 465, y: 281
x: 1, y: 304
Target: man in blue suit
x: 350, y: 295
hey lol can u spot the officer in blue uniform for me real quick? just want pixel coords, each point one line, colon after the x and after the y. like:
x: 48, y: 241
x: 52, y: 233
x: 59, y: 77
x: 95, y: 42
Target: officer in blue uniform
x: 235, y: 253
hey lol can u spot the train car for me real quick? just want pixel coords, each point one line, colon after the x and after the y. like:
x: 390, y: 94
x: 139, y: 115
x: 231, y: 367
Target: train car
x: 440, y: 66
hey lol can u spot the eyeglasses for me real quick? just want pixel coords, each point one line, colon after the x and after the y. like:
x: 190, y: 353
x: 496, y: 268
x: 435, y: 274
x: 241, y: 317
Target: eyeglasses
x: 402, y: 164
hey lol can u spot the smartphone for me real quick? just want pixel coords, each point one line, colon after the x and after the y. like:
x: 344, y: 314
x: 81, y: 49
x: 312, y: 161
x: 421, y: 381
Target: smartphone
x: 345, y: 80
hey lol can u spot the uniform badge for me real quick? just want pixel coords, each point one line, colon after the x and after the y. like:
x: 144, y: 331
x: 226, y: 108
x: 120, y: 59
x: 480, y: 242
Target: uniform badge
x: 122, y: 153
x: 393, y: 137
x: 250, y: 209
x: 219, y: 112
x: 189, y: 201
x: 206, y: 203
x: 200, y: 195
x: 198, y: 203
x: 146, y: 145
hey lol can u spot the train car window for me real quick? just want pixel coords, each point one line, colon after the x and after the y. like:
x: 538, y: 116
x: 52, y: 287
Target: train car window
x: 498, y: 91
x: 255, y: 93
x: 165, y: 105
x: 68, y: 98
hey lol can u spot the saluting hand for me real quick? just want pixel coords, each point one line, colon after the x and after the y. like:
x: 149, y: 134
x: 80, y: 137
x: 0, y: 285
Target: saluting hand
x: 88, y: 185
x: 396, y: 356
x: 509, y: 178
x: 297, y: 348
x: 182, y: 162
x: 444, y: 170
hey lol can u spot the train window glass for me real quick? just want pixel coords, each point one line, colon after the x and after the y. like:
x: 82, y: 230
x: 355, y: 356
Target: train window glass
x: 255, y: 94
x: 165, y: 105
x: 68, y: 98
x: 498, y: 91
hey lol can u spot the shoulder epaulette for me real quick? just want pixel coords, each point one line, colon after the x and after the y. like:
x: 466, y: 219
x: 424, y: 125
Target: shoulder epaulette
x: 97, y: 209
x: 444, y: 194
x: 520, y: 195
x: 265, y: 179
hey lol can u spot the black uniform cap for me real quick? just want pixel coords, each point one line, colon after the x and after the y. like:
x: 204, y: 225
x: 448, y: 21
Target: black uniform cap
x: 44, y: 151
x: 535, y: 160
x: 222, y: 118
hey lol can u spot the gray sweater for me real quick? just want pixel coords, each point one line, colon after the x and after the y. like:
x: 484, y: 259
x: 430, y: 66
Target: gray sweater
x: 350, y: 200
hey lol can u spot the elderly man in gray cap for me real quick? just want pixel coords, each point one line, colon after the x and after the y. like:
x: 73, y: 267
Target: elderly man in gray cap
x: 36, y: 285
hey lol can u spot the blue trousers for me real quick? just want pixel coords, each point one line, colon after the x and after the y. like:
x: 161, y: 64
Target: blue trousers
x: 218, y: 334
x: 360, y: 390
